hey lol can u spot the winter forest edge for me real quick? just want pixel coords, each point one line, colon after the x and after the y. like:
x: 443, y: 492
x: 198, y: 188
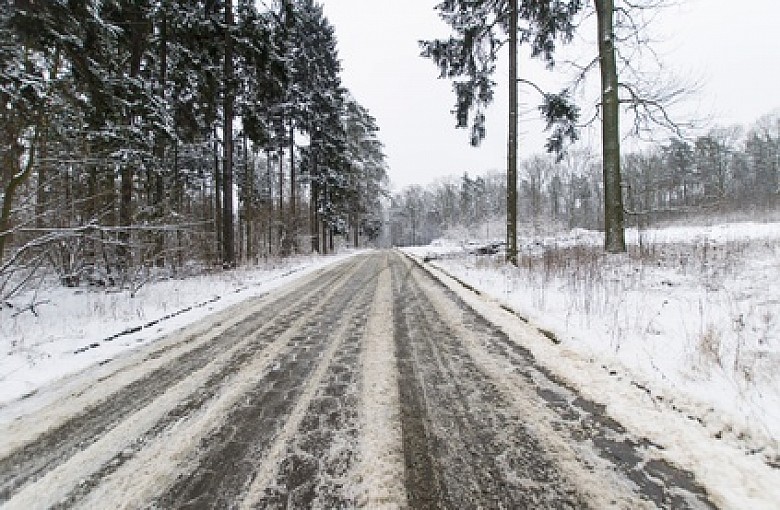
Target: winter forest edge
x: 129, y: 130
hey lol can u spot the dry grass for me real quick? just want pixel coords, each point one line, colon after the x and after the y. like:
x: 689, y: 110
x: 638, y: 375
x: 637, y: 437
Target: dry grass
x: 595, y: 286
x: 709, y: 347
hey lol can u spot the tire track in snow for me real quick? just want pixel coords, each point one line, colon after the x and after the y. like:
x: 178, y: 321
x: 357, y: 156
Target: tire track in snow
x: 240, y: 457
x: 346, y: 450
x: 55, y: 446
x: 463, y: 447
x: 379, y: 476
x: 270, y: 346
x: 610, y: 466
x: 308, y: 464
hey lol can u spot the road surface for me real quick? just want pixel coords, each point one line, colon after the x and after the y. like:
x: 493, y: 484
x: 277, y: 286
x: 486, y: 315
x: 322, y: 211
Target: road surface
x: 369, y: 384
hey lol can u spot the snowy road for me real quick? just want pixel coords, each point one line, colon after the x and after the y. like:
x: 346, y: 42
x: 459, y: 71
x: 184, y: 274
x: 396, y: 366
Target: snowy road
x: 368, y: 384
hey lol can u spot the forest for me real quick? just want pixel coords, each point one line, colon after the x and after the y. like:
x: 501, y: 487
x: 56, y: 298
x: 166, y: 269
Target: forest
x: 156, y: 137
x: 164, y: 138
x: 728, y: 173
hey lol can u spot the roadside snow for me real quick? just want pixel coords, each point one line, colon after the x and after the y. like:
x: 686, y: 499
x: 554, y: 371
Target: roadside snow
x: 68, y: 330
x: 690, y: 319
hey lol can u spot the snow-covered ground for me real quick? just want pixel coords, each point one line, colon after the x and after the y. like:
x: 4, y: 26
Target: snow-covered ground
x: 67, y: 329
x: 691, y: 315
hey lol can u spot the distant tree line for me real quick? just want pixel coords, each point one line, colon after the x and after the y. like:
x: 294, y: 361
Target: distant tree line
x: 728, y: 172
x: 165, y: 133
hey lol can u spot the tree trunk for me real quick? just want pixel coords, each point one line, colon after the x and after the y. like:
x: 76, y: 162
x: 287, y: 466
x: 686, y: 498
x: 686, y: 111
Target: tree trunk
x: 249, y: 200
x: 314, y: 219
x: 125, y: 218
x: 159, y: 185
x: 355, y: 231
x: 228, y: 249
x: 614, y: 236
x: 270, y: 203
x: 178, y: 194
x: 138, y: 39
x: 323, y: 232
x: 43, y: 176
x: 218, y: 186
x: 511, y: 172
x: 281, y: 241
x: 18, y: 177
x: 41, y: 212
x: 414, y: 229
x: 95, y: 185
x: 293, y: 233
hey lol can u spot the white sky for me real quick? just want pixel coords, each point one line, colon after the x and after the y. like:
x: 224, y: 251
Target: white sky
x: 731, y: 51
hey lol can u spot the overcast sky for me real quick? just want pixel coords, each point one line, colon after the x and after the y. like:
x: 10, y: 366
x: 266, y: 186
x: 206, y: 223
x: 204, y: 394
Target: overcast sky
x: 730, y: 48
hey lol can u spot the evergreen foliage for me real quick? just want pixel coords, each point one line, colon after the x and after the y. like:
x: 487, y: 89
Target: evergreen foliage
x: 479, y: 34
x: 128, y: 126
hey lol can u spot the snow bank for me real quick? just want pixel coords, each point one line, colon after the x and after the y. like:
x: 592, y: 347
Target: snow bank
x: 67, y: 330
x: 691, y: 316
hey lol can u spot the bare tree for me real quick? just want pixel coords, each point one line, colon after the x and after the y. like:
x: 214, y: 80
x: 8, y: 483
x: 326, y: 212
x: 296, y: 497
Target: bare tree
x: 623, y: 40
x: 614, y: 237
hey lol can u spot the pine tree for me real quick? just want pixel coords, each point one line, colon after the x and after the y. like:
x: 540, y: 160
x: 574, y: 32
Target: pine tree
x: 321, y: 112
x: 480, y: 29
x: 124, y: 119
x: 23, y: 94
x: 367, y: 172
